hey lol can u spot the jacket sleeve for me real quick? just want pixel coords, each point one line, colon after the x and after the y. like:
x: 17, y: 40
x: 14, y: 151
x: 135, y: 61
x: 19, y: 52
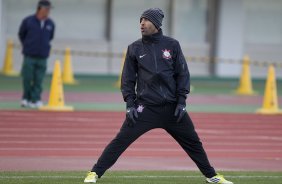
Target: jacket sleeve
x: 53, y: 31
x: 128, y: 79
x: 23, y: 31
x: 182, y: 76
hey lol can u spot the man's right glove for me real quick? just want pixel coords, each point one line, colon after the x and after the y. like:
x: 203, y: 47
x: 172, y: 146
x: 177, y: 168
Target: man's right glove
x: 131, y: 114
x: 180, y: 110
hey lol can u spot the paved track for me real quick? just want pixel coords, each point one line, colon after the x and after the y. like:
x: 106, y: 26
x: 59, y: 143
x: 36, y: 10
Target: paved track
x: 32, y: 140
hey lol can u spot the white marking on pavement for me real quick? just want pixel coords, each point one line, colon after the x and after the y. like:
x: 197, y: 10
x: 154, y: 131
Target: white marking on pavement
x: 132, y: 176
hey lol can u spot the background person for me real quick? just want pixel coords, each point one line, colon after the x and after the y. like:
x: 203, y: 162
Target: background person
x: 35, y: 33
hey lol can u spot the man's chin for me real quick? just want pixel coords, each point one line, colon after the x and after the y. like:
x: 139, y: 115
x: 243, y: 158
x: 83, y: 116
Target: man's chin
x: 144, y: 34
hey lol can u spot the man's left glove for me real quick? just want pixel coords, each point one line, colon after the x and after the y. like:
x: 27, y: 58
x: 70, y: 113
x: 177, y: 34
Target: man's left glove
x: 180, y: 110
x: 131, y: 114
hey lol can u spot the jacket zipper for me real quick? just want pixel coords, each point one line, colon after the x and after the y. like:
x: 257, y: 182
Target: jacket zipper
x: 156, y: 65
x: 40, y: 35
x: 155, y: 59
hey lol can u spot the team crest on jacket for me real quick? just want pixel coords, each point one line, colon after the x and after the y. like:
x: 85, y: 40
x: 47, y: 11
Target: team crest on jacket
x: 166, y: 54
x: 49, y: 27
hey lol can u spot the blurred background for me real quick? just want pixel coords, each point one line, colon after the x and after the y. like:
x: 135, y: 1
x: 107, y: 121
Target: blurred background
x: 215, y: 35
x: 207, y: 29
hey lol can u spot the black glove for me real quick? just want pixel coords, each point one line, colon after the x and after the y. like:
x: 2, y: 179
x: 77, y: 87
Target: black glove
x: 131, y: 114
x: 180, y: 110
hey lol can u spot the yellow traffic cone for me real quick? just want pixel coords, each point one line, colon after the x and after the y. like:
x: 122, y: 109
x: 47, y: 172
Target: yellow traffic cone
x: 270, y: 99
x: 192, y: 88
x: 245, y: 86
x: 7, y: 68
x: 56, y: 97
x: 68, y: 77
x: 118, y: 82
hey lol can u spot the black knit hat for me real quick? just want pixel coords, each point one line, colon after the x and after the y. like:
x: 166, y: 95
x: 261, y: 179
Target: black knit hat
x: 155, y: 15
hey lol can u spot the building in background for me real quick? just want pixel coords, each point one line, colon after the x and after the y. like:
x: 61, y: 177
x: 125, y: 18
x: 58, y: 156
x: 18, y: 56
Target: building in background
x: 225, y: 29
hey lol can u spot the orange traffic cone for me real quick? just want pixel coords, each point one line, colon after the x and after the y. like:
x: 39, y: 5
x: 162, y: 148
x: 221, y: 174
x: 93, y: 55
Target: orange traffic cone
x: 56, y: 97
x: 270, y: 100
x: 7, y: 68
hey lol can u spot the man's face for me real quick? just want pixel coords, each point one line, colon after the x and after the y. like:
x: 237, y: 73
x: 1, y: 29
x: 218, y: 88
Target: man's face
x: 44, y: 12
x: 147, y: 27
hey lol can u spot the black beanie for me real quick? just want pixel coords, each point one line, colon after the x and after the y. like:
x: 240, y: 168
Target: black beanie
x: 155, y: 15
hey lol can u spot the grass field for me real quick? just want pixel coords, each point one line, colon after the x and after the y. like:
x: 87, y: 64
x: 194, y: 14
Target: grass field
x: 105, y: 84
x: 91, y: 85
x: 137, y: 177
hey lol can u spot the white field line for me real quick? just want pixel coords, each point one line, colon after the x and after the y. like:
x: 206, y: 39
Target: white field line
x: 142, y: 150
x: 71, y: 129
x: 132, y: 177
x: 143, y: 143
x: 237, y: 137
x: 61, y: 119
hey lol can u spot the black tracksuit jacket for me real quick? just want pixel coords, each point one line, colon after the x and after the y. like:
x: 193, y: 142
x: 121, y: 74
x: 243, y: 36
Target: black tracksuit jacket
x: 156, y: 63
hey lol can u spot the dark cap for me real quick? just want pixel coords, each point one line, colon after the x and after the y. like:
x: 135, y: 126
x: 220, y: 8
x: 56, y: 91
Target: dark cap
x: 44, y: 3
x: 155, y: 15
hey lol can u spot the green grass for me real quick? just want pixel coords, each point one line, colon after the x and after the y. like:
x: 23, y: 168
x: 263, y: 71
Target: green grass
x: 137, y: 177
x: 119, y: 107
x: 105, y: 84
x: 86, y: 84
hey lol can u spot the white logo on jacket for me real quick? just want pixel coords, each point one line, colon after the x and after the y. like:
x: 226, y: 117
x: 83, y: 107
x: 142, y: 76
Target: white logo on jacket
x: 166, y: 54
x: 142, y: 56
x: 140, y: 108
x: 49, y: 27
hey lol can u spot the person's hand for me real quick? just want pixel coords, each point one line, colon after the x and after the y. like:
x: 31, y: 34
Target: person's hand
x: 131, y: 114
x: 180, y: 110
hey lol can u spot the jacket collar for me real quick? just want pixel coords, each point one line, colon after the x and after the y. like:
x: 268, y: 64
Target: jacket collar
x: 154, y: 38
x: 35, y: 17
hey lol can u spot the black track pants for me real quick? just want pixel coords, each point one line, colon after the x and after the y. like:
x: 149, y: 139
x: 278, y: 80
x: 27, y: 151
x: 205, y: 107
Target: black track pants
x: 156, y: 117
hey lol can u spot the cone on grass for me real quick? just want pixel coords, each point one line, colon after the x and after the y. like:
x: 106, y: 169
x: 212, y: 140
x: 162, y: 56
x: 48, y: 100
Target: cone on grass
x: 67, y: 76
x: 56, y: 96
x: 7, y: 68
x: 245, y: 85
x: 118, y: 82
x: 270, y: 99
